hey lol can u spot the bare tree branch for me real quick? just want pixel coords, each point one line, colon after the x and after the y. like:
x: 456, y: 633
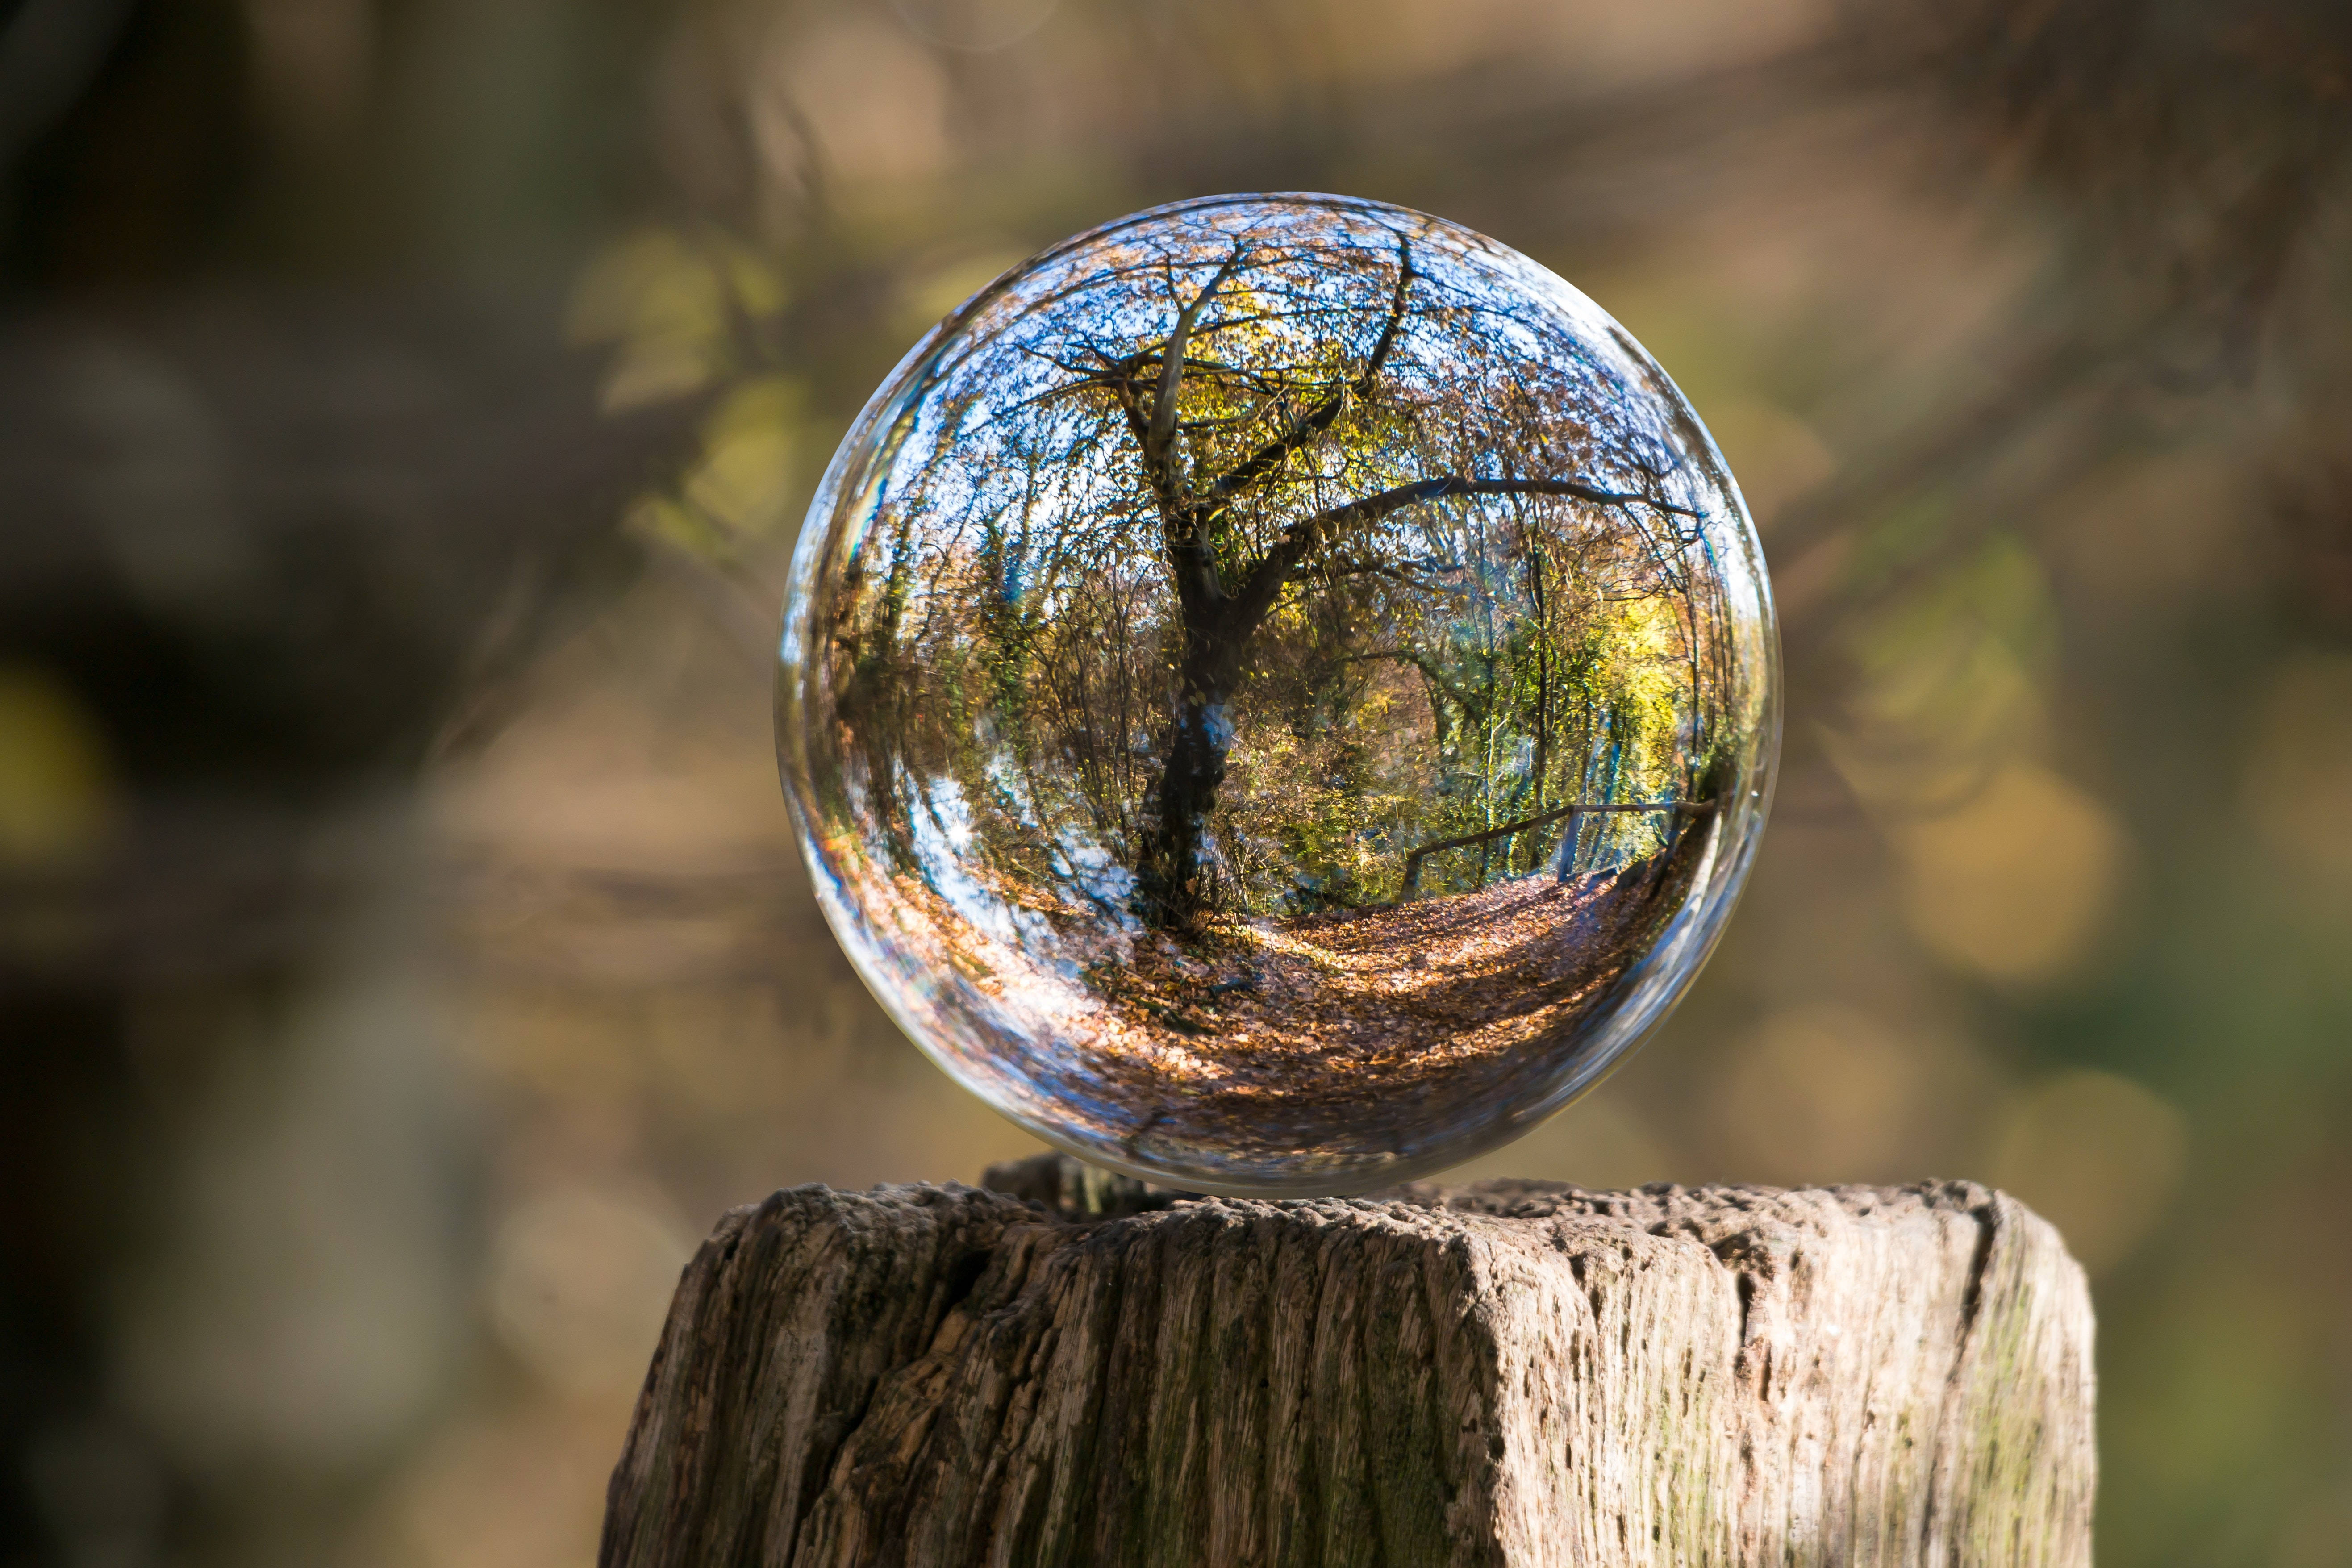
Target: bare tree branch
x: 1257, y: 595
x: 1263, y: 461
x: 1171, y: 359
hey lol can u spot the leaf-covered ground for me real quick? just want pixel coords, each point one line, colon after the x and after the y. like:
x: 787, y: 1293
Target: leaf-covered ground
x: 1320, y: 1041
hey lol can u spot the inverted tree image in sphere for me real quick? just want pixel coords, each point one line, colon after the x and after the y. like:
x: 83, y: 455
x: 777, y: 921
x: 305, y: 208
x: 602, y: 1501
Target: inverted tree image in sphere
x: 1278, y: 693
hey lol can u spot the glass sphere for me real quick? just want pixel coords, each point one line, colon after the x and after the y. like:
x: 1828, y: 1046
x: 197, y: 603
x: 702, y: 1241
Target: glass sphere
x: 1278, y: 693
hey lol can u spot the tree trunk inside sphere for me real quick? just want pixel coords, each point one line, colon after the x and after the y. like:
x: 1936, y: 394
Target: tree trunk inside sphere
x: 1176, y: 866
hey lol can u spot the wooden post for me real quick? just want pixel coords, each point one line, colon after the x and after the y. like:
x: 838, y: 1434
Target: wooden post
x: 1084, y: 1371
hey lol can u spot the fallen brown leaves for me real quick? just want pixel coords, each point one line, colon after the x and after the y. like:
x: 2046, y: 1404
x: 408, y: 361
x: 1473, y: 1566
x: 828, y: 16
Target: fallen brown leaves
x: 1304, y: 1042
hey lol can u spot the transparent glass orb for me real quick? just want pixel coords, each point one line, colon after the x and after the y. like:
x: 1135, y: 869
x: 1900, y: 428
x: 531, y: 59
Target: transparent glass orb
x: 1278, y: 693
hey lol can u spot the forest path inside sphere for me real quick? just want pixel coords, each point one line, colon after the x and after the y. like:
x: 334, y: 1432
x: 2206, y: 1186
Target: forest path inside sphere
x: 1357, y: 1016
x: 1299, y: 1035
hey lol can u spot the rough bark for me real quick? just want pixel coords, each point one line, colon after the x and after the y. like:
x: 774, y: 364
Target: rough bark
x: 1519, y: 1373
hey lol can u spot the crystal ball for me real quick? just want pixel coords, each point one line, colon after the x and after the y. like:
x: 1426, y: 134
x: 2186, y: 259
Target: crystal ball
x: 1278, y: 693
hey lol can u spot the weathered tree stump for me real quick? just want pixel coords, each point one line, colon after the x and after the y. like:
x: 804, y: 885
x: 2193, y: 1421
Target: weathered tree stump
x: 1520, y: 1372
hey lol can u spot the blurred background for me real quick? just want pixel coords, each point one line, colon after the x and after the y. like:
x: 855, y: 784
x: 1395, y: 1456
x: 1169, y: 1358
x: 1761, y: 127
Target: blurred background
x: 406, y: 407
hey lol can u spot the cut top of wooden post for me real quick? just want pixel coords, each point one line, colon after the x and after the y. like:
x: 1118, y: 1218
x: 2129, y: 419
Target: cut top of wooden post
x: 1514, y: 1373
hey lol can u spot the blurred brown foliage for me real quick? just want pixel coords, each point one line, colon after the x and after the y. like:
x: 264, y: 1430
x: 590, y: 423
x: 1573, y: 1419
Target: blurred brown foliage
x: 404, y: 410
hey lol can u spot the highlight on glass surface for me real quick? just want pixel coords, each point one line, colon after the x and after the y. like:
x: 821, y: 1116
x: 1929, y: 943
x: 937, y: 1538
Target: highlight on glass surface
x: 1278, y: 693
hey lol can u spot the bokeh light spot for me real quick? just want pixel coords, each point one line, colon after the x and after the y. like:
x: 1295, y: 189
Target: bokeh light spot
x: 2016, y: 885
x: 579, y: 1280
x: 58, y: 801
x: 2098, y: 1155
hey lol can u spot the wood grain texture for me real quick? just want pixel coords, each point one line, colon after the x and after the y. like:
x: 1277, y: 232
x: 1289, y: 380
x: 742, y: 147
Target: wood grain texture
x: 1514, y: 1373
